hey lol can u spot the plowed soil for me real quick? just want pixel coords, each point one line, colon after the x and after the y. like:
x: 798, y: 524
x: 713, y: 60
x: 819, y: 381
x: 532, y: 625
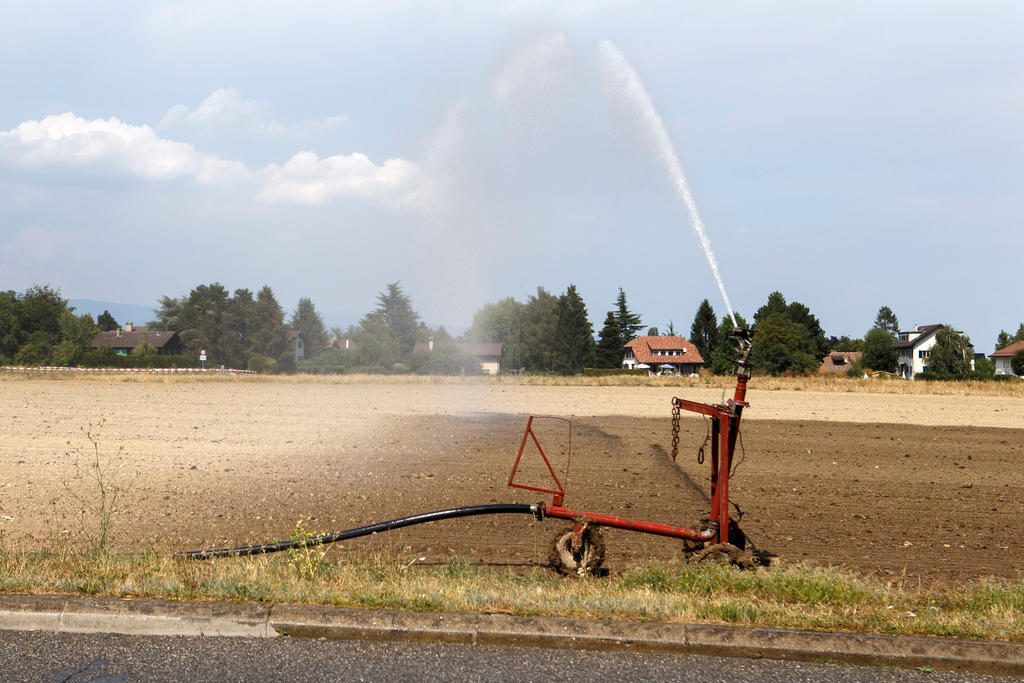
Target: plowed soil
x: 229, y: 462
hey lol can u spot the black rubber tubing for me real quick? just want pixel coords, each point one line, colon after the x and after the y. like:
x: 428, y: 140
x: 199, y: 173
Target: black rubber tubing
x: 263, y: 548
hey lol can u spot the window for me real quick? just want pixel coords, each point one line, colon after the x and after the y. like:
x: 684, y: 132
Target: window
x: 903, y: 338
x: 923, y: 353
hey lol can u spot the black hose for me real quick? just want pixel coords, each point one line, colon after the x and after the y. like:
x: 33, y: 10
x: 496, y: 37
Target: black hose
x: 468, y: 511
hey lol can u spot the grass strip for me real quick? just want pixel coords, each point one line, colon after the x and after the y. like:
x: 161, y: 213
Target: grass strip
x: 796, y: 596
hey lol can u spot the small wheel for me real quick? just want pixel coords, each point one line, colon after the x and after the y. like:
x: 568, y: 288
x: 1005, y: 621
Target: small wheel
x: 587, y: 560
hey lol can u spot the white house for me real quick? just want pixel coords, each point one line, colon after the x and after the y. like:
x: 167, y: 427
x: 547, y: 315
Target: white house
x: 1003, y: 356
x: 914, y: 347
x: 298, y: 344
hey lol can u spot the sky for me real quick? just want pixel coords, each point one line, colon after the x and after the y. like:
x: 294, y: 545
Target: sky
x: 850, y: 155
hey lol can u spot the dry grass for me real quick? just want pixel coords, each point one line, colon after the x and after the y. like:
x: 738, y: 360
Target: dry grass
x: 815, y: 383
x: 788, y: 596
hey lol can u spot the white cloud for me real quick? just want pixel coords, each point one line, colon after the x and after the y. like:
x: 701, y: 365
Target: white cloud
x: 308, y: 179
x: 227, y: 110
x: 68, y: 142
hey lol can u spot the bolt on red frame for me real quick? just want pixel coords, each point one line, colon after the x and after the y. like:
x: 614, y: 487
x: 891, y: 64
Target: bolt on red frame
x: 725, y: 421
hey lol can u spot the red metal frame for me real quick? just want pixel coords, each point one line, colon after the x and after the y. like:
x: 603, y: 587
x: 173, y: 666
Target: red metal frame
x: 559, y: 493
x: 725, y: 419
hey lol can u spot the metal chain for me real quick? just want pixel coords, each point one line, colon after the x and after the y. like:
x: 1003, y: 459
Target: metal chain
x: 675, y: 430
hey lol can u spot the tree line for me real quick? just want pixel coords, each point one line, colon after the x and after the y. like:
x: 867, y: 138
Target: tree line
x: 544, y: 333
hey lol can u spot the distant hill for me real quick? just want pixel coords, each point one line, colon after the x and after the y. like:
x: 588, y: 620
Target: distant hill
x: 123, y: 313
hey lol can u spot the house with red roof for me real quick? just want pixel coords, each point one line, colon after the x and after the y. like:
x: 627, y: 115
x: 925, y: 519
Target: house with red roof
x: 662, y: 354
x: 1003, y: 356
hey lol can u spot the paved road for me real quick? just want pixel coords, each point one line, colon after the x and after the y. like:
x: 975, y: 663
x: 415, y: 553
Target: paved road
x: 73, y: 658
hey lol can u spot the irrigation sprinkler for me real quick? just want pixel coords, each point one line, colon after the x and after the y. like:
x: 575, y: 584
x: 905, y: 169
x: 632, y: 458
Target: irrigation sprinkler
x: 580, y: 548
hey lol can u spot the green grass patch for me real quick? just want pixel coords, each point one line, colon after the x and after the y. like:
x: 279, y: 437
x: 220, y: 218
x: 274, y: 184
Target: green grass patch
x: 788, y: 596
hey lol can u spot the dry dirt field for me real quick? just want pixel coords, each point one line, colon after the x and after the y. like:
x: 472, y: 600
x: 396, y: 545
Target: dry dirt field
x: 929, y: 486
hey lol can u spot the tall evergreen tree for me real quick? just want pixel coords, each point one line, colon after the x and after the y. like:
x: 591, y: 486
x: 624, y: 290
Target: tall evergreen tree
x: 887, y: 321
x: 168, y: 315
x: 106, y: 322
x: 269, y: 336
x: 629, y: 322
x: 238, y: 328
x: 394, y: 309
x: 704, y: 330
x: 608, y: 353
x: 776, y: 304
x: 310, y: 325
x: 575, y: 334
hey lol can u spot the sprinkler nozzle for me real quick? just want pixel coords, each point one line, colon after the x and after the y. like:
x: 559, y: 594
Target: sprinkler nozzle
x: 744, y: 341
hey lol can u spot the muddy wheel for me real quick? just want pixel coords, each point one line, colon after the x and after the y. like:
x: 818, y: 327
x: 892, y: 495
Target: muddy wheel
x: 723, y: 553
x: 587, y: 560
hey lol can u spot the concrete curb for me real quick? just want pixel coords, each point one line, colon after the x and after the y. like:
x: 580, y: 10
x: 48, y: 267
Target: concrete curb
x: 143, y: 616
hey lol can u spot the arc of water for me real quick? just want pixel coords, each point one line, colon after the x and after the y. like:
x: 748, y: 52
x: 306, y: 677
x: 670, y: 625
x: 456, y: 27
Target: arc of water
x: 625, y: 81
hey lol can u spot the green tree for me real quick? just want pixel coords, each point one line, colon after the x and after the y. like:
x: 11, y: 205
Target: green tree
x: 541, y: 331
x: 652, y: 332
x: 168, y: 315
x: 952, y: 353
x: 106, y: 322
x: 1005, y: 339
x: 886, y: 320
x: 726, y: 352
x: 268, y: 336
x: 776, y: 304
x: 39, y: 310
x: 806, y: 338
x: 984, y: 369
x: 817, y: 343
x: 394, y: 310
x: 310, y: 325
x: 1017, y: 363
x: 780, y: 346
x: 608, y: 353
x: 143, y: 350
x: 704, y: 330
x: 238, y: 327
x: 376, y: 349
x: 574, y: 334
x: 844, y: 343
x: 503, y: 322
x: 629, y: 322
x: 10, y: 327
x: 203, y: 319
x: 879, y: 353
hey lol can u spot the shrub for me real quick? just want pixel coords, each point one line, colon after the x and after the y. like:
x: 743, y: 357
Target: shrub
x: 261, y: 364
x: 33, y: 353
